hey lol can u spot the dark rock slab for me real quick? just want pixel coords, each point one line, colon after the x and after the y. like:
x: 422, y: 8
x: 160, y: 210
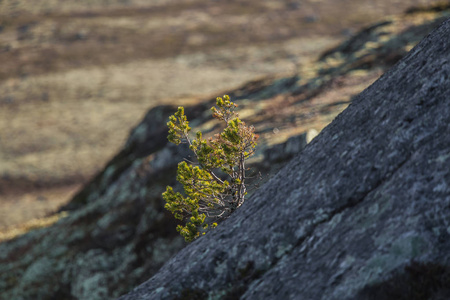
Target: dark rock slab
x: 364, y: 209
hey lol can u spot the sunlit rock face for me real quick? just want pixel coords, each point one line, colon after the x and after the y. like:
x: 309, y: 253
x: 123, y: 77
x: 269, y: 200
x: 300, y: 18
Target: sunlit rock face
x: 361, y: 213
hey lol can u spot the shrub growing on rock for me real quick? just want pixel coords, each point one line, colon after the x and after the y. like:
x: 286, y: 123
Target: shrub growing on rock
x: 214, y: 185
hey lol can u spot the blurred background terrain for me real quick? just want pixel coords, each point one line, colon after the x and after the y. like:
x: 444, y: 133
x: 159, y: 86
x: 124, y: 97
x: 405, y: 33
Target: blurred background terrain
x: 76, y: 76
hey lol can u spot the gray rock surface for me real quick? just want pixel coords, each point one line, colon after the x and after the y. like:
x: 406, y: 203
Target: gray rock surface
x: 285, y: 150
x: 363, y: 212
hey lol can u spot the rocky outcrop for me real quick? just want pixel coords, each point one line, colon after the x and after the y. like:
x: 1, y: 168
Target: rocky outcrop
x: 361, y: 213
x: 115, y: 233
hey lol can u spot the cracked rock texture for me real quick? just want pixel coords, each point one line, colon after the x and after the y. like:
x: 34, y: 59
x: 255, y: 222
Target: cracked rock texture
x: 363, y: 212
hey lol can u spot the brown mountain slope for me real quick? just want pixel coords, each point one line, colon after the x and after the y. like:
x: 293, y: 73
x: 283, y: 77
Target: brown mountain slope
x: 76, y: 76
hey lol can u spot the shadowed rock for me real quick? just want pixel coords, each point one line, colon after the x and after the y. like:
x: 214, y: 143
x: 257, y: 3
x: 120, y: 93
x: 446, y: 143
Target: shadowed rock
x: 364, y: 210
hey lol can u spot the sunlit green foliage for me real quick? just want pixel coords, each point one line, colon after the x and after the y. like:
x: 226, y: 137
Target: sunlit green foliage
x: 214, y: 186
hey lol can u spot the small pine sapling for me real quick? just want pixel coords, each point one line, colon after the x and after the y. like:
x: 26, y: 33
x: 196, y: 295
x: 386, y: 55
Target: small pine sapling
x: 214, y: 185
